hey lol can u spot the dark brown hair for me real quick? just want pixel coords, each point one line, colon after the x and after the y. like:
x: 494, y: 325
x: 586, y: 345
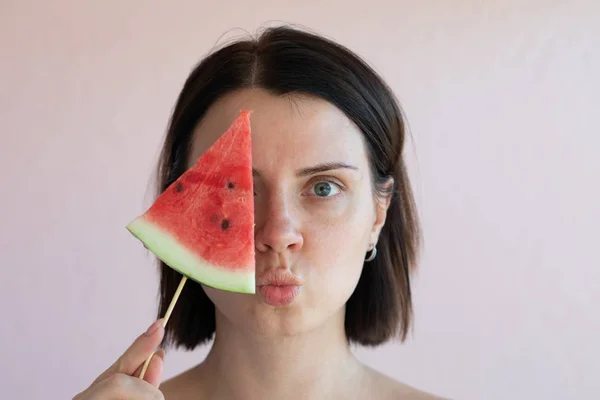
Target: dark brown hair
x: 285, y: 60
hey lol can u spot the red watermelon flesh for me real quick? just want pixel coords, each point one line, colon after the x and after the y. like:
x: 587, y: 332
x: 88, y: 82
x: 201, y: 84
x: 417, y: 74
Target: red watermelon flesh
x: 202, y: 225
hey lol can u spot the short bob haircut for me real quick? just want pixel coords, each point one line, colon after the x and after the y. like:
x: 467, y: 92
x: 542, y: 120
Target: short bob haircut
x: 286, y: 61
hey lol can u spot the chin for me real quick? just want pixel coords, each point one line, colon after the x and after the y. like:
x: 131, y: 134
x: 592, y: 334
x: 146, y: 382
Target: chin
x: 276, y: 323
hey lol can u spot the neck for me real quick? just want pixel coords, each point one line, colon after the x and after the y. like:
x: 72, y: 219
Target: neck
x: 248, y: 366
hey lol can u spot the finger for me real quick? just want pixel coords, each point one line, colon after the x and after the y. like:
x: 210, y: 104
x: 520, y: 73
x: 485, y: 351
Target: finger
x: 136, y: 354
x: 122, y: 386
x: 154, y: 372
x: 140, y: 349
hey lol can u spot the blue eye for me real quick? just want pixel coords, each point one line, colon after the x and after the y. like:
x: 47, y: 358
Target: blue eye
x: 325, y: 189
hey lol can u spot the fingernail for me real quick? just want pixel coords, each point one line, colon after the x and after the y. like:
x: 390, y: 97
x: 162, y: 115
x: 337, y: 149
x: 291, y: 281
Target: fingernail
x: 153, y: 327
x: 160, y: 353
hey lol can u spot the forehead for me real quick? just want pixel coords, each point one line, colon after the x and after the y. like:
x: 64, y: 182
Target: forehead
x: 291, y: 130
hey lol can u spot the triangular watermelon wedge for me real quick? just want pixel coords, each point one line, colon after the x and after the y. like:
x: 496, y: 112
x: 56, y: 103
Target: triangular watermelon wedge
x: 202, y: 225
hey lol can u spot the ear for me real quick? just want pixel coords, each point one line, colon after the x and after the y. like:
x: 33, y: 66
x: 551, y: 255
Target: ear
x: 383, y: 199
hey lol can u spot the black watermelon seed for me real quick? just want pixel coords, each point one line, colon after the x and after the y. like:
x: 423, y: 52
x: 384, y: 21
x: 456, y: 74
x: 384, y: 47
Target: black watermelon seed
x: 230, y: 185
x: 179, y: 187
x: 225, y: 224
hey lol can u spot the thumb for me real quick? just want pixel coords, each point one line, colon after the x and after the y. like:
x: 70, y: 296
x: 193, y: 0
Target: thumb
x: 143, y: 346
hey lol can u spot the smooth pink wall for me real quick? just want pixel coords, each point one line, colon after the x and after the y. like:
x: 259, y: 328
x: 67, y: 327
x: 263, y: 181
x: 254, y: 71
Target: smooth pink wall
x: 502, y: 100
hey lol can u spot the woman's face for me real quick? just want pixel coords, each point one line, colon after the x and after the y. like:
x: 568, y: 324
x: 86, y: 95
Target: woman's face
x: 315, y: 212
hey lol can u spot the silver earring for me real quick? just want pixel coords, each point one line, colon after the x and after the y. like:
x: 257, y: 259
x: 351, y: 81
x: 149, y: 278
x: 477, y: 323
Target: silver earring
x: 371, y: 257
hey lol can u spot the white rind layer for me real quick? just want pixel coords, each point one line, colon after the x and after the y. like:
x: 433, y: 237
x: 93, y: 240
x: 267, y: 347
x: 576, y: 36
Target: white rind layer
x: 169, y: 250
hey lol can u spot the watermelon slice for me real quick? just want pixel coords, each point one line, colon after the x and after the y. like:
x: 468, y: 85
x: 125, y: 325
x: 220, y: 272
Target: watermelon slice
x: 202, y: 225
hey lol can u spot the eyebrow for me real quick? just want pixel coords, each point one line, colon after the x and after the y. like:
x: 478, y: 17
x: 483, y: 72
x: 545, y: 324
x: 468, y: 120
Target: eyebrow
x: 317, y: 169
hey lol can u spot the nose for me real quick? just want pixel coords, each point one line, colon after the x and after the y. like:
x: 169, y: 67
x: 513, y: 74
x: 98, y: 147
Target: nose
x: 277, y: 229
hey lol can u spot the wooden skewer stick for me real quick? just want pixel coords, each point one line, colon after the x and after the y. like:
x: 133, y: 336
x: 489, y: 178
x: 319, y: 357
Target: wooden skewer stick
x: 165, y: 319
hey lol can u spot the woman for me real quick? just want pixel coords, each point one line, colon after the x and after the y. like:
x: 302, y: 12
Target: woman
x: 334, y: 215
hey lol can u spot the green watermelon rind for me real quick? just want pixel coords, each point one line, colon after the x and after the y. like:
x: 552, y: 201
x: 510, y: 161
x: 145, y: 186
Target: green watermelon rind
x: 171, y: 252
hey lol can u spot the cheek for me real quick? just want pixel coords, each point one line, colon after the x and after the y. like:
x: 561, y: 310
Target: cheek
x: 337, y: 227
x: 334, y: 249
x: 333, y: 272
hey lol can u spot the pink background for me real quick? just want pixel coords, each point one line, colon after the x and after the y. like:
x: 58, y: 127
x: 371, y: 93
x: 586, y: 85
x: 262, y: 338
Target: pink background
x: 502, y: 99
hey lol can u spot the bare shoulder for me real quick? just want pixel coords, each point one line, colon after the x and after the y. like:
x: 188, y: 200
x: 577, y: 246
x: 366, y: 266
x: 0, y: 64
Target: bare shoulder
x: 181, y: 387
x: 388, y: 388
